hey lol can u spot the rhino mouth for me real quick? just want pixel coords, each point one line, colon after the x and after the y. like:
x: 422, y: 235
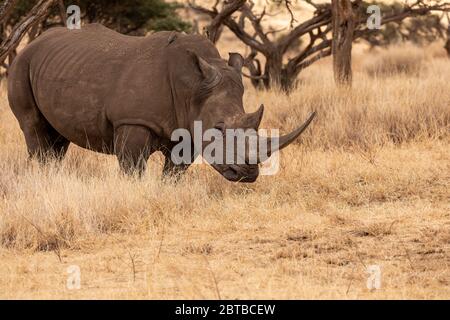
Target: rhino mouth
x: 241, y: 174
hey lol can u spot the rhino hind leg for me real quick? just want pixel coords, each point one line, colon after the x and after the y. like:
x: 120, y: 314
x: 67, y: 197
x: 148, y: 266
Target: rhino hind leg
x: 133, y: 145
x: 43, y: 141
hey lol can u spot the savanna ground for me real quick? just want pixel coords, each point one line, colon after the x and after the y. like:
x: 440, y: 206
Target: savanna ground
x: 367, y: 185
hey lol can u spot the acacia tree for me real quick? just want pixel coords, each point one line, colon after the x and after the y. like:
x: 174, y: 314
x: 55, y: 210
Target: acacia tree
x: 315, y: 33
x: 32, y: 17
x: 261, y: 41
x: 421, y: 29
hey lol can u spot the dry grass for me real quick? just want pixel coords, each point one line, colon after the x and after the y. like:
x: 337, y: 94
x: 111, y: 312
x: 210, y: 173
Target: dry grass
x: 369, y: 185
x: 407, y: 59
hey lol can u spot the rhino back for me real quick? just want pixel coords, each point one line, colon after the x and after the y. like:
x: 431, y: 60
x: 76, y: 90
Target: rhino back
x: 86, y: 82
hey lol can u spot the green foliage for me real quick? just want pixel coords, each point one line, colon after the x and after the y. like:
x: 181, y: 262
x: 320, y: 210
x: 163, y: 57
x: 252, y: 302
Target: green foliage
x: 125, y: 16
x: 20, y: 9
x: 417, y: 29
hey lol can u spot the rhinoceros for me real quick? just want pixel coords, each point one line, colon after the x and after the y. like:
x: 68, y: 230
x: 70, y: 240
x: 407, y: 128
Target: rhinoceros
x: 125, y: 95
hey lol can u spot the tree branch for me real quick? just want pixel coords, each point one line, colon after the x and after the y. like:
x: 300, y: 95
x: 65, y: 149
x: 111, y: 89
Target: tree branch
x: 256, y: 23
x: 19, y: 31
x: 288, y: 4
x: 307, y: 63
x: 304, y: 28
x: 310, y: 49
x: 227, y: 10
x: 236, y: 28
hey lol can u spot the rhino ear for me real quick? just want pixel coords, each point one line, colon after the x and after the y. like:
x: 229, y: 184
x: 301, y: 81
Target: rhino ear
x: 208, y: 71
x: 236, y: 61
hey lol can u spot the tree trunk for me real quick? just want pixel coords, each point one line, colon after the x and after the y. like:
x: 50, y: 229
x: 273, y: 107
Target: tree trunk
x: 278, y: 76
x: 447, y: 44
x: 343, y: 21
x: 289, y: 79
x: 273, y: 71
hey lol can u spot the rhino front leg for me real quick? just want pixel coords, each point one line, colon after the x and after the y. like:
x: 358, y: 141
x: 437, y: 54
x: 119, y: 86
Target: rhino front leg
x: 173, y: 170
x: 133, y: 145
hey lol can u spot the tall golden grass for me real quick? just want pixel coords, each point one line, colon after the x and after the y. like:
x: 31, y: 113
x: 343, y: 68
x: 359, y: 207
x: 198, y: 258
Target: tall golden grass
x: 405, y: 59
x: 367, y: 184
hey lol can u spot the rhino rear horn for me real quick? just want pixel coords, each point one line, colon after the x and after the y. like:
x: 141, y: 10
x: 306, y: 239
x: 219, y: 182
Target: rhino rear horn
x: 254, y: 119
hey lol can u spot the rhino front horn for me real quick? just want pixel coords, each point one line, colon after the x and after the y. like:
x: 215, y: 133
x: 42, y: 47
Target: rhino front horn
x: 279, y: 143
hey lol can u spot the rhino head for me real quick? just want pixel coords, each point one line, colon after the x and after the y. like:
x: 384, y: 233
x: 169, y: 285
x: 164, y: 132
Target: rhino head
x: 218, y: 99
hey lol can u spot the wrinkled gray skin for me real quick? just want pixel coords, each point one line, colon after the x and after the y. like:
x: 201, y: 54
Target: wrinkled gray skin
x: 125, y: 95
